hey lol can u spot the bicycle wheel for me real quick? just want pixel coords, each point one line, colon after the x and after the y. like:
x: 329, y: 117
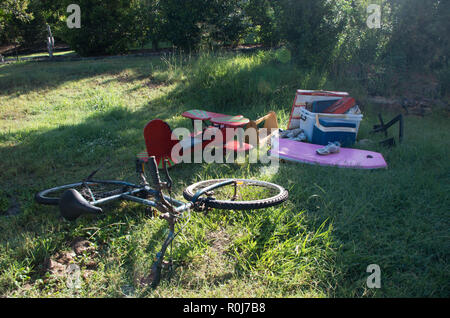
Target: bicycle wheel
x: 89, y: 190
x: 243, y: 194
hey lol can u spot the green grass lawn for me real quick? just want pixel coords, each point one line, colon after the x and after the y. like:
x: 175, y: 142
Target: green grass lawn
x: 67, y: 53
x: 60, y: 121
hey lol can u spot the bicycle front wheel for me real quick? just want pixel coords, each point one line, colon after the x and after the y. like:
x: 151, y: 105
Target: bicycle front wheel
x: 90, y: 190
x: 242, y: 194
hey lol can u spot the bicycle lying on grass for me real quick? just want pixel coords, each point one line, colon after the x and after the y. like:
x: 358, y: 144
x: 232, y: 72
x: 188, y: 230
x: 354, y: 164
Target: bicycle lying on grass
x: 86, y: 196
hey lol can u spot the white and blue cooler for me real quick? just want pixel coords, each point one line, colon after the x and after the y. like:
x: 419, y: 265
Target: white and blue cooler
x: 327, y: 130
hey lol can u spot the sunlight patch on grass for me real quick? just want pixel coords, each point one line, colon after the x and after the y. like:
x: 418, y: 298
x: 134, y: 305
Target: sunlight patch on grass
x: 60, y: 121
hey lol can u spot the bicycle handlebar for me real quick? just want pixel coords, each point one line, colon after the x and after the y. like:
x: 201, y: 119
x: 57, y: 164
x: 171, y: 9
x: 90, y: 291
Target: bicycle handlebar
x: 168, y: 178
x: 154, y: 172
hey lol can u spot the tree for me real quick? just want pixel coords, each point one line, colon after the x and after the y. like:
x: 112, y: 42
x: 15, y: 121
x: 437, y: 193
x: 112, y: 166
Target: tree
x: 150, y: 23
x: 188, y: 23
x: 13, y: 13
x: 262, y: 18
x: 181, y: 22
x: 34, y: 31
x: 420, y: 33
x: 107, y: 27
x: 223, y: 22
x: 310, y: 28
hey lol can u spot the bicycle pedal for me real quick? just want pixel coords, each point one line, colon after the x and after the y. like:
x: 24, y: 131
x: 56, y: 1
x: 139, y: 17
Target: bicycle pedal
x: 152, y: 212
x: 166, y: 264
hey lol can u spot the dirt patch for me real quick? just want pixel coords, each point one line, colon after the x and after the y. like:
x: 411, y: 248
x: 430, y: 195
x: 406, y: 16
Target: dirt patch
x: 87, y: 274
x: 416, y: 94
x: 14, y: 207
x: 416, y: 85
x: 416, y: 105
x: 147, y: 279
x: 219, y: 240
x: 150, y: 81
x: 125, y: 77
x: 12, y: 115
x: 81, y: 246
x: 153, y: 85
x: 58, y: 265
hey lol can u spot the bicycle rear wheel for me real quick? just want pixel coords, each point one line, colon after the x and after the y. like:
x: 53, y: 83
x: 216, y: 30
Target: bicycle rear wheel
x: 243, y: 194
x: 90, y: 190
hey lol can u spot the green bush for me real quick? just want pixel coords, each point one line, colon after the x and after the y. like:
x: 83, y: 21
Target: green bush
x: 263, y: 23
x: 444, y: 80
x: 13, y: 15
x: 107, y: 27
x: 310, y: 27
x: 191, y: 23
x: 149, y: 23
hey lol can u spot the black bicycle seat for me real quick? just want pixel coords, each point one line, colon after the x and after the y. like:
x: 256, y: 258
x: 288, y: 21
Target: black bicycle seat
x: 72, y: 205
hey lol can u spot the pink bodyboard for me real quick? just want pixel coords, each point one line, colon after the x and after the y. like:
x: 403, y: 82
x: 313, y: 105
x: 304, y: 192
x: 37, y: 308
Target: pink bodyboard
x: 347, y: 157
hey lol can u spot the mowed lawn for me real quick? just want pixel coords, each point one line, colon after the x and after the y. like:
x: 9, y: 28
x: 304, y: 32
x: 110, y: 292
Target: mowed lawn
x: 60, y: 121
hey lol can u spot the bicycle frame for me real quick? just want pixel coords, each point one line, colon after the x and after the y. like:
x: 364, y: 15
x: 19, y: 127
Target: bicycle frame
x: 130, y: 196
x: 73, y: 203
x: 171, y: 209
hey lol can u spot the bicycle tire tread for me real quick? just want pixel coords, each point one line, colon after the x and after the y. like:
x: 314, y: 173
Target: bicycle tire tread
x: 240, y: 205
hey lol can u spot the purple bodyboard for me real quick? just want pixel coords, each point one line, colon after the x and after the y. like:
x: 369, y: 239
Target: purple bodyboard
x: 346, y: 158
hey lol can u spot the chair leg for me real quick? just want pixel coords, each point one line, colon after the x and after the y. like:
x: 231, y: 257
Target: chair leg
x: 384, y: 128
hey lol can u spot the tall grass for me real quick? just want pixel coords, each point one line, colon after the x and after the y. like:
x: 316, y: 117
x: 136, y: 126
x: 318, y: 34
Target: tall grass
x: 60, y: 121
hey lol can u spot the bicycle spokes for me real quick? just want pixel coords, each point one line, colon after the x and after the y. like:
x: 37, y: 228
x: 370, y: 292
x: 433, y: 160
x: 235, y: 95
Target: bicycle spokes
x: 240, y: 191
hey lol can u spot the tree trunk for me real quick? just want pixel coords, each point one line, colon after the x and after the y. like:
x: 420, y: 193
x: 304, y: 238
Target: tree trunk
x: 155, y: 44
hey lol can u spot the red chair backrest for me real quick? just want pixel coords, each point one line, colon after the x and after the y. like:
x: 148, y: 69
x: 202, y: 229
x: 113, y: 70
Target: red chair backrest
x: 159, y: 139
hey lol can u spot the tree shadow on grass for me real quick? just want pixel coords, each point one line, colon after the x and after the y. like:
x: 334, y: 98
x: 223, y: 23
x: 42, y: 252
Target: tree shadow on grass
x: 23, y: 78
x: 42, y: 158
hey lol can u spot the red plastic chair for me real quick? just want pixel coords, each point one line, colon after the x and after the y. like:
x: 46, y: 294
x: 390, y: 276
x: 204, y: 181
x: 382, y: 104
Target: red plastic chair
x: 159, y: 142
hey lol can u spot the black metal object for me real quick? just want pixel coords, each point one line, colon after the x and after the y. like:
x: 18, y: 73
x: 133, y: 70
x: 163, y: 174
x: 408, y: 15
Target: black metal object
x: 382, y: 127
